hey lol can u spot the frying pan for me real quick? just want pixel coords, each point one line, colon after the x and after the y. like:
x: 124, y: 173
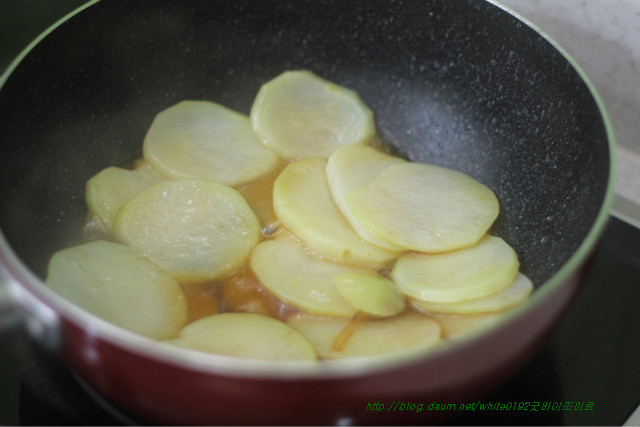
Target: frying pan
x: 461, y: 84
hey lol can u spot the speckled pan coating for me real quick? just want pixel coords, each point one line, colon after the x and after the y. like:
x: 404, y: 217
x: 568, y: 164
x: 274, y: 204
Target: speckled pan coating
x: 453, y: 83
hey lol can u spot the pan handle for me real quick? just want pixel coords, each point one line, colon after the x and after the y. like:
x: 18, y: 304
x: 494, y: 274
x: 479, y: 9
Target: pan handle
x: 19, y: 308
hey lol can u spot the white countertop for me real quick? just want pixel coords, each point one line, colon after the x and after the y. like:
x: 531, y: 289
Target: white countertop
x: 603, y: 37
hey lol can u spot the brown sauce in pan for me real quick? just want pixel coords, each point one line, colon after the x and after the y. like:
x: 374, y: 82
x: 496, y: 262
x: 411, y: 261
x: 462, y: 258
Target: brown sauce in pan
x: 241, y: 292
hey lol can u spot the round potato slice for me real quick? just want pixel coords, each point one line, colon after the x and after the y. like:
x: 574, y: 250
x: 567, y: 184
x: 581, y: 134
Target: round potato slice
x: 300, y: 278
x: 501, y: 300
x: 303, y: 203
x: 320, y: 331
x: 194, y: 229
x: 116, y: 283
x: 354, y: 166
x: 370, y: 337
x: 112, y: 187
x: 373, y: 295
x: 425, y: 208
x: 201, y: 139
x: 456, y: 326
x: 246, y: 335
x: 299, y: 114
x: 469, y: 273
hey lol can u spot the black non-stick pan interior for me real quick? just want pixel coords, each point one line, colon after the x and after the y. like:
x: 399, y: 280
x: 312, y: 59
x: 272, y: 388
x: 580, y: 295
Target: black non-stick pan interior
x: 460, y: 84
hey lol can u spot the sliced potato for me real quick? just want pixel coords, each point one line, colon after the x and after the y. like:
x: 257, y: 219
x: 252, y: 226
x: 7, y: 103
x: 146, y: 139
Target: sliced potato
x: 112, y: 187
x: 245, y: 335
x: 474, y: 272
x: 456, y: 326
x: 301, y: 278
x: 116, y: 283
x: 354, y: 166
x: 303, y: 203
x: 194, y: 229
x: 424, y: 207
x: 320, y: 331
x: 373, y: 295
x: 201, y: 139
x: 370, y: 337
x: 501, y: 300
x: 393, y: 334
x: 298, y: 114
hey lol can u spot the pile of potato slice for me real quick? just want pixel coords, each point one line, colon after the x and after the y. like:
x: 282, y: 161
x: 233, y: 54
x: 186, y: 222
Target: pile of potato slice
x: 365, y: 253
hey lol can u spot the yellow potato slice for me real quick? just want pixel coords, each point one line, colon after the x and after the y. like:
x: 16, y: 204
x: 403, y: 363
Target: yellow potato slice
x: 456, y: 326
x: 246, y: 335
x: 298, y: 114
x: 474, y: 272
x: 194, y: 229
x: 201, y: 139
x: 503, y: 299
x: 320, y: 331
x: 373, y: 295
x: 116, y: 283
x: 369, y: 337
x: 112, y: 187
x: 354, y: 166
x: 303, y: 203
x: 424, y: 207
x: 300, y: 278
